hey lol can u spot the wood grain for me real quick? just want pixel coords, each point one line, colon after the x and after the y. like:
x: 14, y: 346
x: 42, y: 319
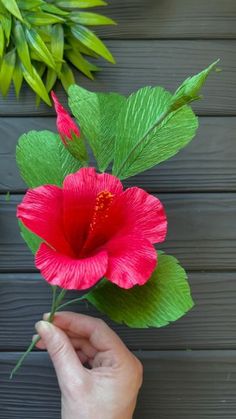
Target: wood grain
x: 177, y: 384
x: 171, y: 19
x: 206, y: 164
x: 202, y: 232
x: 152, y: 62
x: 210, y: 324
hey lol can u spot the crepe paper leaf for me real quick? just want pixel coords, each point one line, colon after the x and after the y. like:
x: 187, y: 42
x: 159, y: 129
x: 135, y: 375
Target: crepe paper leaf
x: 11, y: 6
x: 163, y: 299
x: 189, y: 89
x: 32, y: 241
x: 22, y: 46
x: 36, y: 84
x: 39, y: 47
x: 6, y: 72
x: 87, y: 18
x: 82, y: 4
x: 90, y: 40
x: 41, y: 18
x: 50, y: 79
x: 57, y: 45
x: 67, y: 76
x: 17, y: 78
x: 2, y: 41
x: 97, y: 114
x: 43, y: 159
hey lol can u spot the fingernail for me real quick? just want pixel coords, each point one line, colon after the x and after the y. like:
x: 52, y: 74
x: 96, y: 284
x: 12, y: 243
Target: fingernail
x: 35, y: 337
x: 46, y: 316
x: 43, y: 326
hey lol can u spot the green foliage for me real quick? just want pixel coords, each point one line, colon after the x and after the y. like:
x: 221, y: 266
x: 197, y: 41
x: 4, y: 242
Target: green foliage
x: 53, y: 33
x: 43, y: 159
x: 163, y: 299
x: 30, y: 238
x: 97, y: 114
x: 137, y: 133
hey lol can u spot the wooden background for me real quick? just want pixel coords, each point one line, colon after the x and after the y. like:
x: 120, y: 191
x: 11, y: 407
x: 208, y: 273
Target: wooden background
x: 190, y: 366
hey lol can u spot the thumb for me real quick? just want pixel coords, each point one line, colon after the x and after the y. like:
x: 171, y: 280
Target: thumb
x: 61, y: 352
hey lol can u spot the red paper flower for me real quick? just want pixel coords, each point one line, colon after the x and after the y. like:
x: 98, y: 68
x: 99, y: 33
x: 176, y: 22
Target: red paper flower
x: 92, y: 228
x: 65, y: 124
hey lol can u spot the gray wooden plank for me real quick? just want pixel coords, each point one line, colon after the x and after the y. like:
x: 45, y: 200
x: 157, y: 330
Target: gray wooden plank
x: 177, y: 384
x: 210, y: 324
x: 201, y: 232
x: 171, y: 19
x: 206, y: 164
x: 153, y: 62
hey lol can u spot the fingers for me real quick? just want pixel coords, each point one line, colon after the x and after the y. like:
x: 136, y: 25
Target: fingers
x: 61, y: 352
x: 95, y: 330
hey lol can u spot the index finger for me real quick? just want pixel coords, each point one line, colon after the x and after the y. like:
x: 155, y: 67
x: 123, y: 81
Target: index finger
x: 100, y: 335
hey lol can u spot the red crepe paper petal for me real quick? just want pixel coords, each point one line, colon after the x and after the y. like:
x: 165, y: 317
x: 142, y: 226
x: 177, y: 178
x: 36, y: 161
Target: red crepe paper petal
x: 65, y: 124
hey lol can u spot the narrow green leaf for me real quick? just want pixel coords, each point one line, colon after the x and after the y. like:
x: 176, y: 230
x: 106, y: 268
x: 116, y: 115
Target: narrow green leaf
x: 51, y: 8
x: 17, y: 78
x: 41, y: 18
x: 97, y: 114
x: 39, y: 47
x: 82, y: 4
x: 79, y: 47
x: 36, y: 84
x: 87, y: 18
x: 57, y: 45
x: 11, y: 6
x: 80, y: 63
x: 147, y: 133
x: 6, y: 22
x: 43, y: 159
x: 32, y: 241
x: 66, y: 76
x: 2, y: 41
x: 163, y: 299
x: 50, y: 79
x: 90, y: 40
x: 190, y: 88
x: 6, y: 72
x: 22, y: 46
x: 29, y: 5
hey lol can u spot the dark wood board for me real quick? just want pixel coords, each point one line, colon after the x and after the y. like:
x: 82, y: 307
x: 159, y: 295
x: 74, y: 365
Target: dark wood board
x: 170, y: 19
x: 177, y: 384
x: 210, y: 324
x: 152, y: 62
x: 202, y: 232
x: 206, y: 164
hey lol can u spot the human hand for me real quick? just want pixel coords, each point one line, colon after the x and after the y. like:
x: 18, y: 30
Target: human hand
x: 106, y: 391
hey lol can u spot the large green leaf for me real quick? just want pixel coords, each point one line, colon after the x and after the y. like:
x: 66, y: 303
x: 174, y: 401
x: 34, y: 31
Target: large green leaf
x: 142, y: 141
x: 43, y: 159
x: 163, y: 299
x: 90, y: 40
x: 97, y: 114
x: 30, y: 238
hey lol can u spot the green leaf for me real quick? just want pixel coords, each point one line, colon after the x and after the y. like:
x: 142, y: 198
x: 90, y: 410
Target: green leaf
x: 51, y: 8
x: 32, y: 241
x: 7, y: 68
x: 36, y: 84
x: 97, y: 114
x: 11, y: 6
x: 67, y: 76
x: 6, y: 22
x: 41, y: 18
x: 80, y: 63
x: 90, y: 40
x: 17, y: 77
x: 87, y: 18
x: 190, y: 88
x: 2, y: 41
x: 22, y: 46
x: 82, y: 4
x: 39, y: 47
x: 29, y: 5
x: 57, y: 45
x: 148, y: 133
x: 43, y: 159
x: 163, y: 299
x: 50, y: 79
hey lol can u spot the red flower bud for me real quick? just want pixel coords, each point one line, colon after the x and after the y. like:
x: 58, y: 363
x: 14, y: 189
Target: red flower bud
x: 65, y: 124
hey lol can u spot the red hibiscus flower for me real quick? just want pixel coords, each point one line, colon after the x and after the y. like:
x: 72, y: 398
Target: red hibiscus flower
x: 92, y: 228
x: 65, y: 124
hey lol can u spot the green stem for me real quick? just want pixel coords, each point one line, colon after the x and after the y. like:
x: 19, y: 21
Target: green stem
x: 75, y: 300
x: 55, y: 304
